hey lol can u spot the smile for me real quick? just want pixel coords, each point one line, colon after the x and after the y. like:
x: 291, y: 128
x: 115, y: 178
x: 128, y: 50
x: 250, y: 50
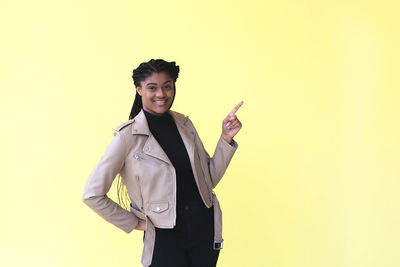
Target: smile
x: 161, y: 102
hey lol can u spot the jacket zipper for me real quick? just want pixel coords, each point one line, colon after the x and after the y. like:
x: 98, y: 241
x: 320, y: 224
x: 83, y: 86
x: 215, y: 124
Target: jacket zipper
x: 150, y: 160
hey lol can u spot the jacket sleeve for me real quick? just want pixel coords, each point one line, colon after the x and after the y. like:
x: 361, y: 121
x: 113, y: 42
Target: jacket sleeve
x: 218, y: 163
x: 100, y: 181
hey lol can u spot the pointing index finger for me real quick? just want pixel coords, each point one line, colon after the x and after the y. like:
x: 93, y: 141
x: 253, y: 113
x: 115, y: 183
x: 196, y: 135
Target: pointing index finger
x: 236, y: 108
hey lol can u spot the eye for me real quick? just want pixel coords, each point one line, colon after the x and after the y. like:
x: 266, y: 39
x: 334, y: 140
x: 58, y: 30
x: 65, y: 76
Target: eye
x: 152, y: 88
x: 168, y: 87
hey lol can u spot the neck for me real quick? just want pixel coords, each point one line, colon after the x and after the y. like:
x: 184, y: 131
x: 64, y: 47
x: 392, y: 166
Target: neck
x: 155, y: 115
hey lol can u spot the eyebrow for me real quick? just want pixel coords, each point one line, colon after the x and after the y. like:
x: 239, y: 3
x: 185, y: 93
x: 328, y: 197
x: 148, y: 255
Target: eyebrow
x: 156, y: 84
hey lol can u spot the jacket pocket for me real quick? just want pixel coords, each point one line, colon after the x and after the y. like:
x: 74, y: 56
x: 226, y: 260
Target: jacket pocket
x: 158, y: 207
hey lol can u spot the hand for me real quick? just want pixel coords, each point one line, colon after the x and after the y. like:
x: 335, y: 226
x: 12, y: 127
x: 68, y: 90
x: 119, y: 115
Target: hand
x: 141, y: 225
x: 231, y: 124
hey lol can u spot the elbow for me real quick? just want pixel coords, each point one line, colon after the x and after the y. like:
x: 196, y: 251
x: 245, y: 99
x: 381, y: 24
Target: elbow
x: 95, y: 202
x: 87, y: 199
x: 91, y: 202
x: 214, y: 184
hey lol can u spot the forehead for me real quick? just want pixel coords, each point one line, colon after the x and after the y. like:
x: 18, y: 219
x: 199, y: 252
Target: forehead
x: 158, y: 78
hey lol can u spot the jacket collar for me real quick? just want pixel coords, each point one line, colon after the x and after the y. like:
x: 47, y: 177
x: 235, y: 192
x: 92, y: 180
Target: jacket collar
x: 152, y: 147
x: 140, y: 125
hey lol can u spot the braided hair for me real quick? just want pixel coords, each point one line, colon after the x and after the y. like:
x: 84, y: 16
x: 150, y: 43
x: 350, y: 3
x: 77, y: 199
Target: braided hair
x: 145, y: 70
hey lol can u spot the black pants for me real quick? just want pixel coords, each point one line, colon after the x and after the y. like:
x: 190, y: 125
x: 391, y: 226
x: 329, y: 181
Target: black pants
x: 190, y: 243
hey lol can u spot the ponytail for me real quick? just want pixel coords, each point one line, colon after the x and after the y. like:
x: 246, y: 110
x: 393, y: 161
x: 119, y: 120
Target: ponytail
x: 137, y: 106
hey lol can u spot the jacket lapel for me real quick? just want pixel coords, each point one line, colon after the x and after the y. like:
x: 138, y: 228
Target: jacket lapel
x: 186, y: 133
x: 151, y: 146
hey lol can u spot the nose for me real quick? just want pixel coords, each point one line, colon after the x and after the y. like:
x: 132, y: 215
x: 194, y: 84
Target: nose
x: 160, y: 93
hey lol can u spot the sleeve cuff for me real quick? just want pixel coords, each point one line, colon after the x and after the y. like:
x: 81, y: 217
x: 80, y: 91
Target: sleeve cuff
x: 232, y: 145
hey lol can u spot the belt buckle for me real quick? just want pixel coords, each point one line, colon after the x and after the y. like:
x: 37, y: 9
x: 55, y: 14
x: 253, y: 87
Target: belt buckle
x: 218, y: 245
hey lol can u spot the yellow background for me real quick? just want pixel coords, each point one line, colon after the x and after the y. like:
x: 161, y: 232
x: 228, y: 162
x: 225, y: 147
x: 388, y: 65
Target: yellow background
x: 315, y: 181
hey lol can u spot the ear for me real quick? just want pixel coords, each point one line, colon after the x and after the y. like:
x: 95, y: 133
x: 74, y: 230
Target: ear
x: 139, y: 90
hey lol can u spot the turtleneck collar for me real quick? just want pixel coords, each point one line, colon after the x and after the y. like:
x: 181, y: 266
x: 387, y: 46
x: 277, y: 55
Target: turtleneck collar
x: 157, y: 118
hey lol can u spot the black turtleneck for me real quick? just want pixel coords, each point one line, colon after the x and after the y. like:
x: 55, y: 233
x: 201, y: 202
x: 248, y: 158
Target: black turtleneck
x: 164, y: 129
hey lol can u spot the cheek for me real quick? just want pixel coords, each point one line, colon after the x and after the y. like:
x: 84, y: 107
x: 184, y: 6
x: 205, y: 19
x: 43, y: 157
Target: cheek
x: 146, y: 98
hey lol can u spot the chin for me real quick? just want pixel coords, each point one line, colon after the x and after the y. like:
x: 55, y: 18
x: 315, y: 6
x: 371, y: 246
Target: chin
x: 161, y: 109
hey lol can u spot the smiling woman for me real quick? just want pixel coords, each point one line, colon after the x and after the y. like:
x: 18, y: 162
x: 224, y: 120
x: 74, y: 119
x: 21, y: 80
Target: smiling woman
x: 168, y: 176
x: 157, y: 93
x: 151, y: 75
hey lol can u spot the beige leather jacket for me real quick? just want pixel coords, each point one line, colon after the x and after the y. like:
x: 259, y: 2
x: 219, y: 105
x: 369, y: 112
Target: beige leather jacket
x: 150, y: 178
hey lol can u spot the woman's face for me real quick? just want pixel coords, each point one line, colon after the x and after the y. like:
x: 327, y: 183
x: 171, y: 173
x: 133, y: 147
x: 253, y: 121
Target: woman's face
x: 157, y: 93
